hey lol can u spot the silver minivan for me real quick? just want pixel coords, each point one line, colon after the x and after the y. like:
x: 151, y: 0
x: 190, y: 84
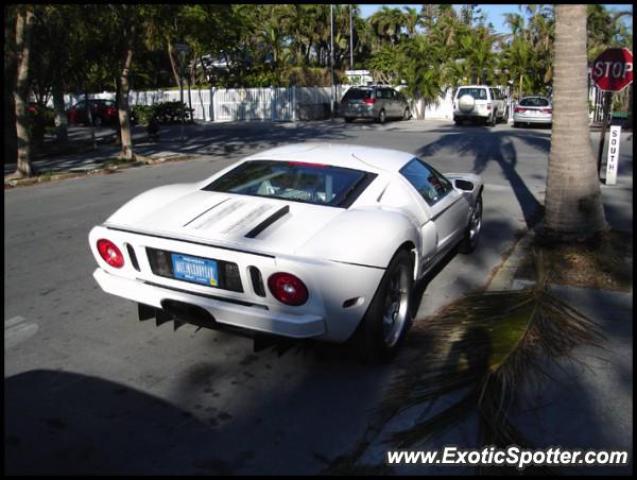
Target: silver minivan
x: 374, y: 102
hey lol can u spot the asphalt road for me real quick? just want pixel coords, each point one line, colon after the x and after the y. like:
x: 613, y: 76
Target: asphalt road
x: 89, y: 389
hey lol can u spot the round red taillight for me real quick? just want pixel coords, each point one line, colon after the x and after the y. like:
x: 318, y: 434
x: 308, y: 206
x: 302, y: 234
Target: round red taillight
x: 287, y: 289
x: 110, y: 253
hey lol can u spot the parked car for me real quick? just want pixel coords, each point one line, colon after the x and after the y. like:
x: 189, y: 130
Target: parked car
x: 104, y: 112
x: 374, y: 102
x: 479, y: 102
x: 304, y: 241
x: 535, y: 109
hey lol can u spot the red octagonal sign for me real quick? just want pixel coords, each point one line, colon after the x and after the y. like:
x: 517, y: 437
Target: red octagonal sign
x: 613, y: 69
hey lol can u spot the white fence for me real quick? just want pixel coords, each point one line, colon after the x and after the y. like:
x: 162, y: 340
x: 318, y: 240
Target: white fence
x: 244, y: 104
x: 250, y: 104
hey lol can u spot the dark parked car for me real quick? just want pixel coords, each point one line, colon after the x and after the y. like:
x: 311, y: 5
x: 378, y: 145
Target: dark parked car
x: 375, y: 102
x: 103, y: 112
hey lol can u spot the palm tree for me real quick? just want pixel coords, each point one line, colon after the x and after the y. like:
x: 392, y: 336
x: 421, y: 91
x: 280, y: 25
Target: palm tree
x: 573, y: 196
x: 387, y: 24
x: 411, y: 19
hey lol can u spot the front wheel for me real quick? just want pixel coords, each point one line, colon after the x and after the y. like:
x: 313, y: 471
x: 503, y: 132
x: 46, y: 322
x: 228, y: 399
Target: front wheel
x: 389, y: 315
x: 406, y: 114
x: 472, y: 232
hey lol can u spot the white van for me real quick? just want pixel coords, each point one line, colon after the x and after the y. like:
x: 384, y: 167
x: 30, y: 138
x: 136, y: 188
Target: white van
x: 479, y: 102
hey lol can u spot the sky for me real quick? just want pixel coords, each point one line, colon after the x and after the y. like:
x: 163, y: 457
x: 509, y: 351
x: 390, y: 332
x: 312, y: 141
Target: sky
x: 494, y: 12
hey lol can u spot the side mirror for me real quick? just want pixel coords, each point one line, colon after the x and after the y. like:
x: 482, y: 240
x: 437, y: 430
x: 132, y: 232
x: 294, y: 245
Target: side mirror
x: 463, y: 185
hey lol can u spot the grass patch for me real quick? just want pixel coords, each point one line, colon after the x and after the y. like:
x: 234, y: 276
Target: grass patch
x: 604, y: 262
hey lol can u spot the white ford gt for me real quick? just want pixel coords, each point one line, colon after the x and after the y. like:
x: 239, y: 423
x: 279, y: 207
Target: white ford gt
x: 310, y: 240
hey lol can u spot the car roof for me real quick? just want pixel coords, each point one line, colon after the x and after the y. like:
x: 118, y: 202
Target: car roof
x: 339, y: 155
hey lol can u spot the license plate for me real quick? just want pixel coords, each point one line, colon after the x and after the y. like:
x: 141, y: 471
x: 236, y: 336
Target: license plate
x: 193, y: 269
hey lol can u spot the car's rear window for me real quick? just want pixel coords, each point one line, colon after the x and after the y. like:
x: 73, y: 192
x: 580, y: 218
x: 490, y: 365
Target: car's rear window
x: 534, y: 102
x: 357, y: 94
x: 476, y: 93
x: 296, y: 181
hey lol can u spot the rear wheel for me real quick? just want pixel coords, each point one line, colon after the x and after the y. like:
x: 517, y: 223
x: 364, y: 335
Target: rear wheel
x: 383, y: 329
x: 406, y: 114
x: 381, y: 116
x: 348, y: 119
x: 472, y: 233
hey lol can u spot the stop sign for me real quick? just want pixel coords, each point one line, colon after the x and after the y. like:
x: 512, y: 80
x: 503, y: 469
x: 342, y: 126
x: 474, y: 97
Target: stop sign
x: 613, y: 69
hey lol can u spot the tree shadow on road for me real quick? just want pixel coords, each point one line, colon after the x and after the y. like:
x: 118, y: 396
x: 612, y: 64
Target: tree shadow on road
x: 487, y: 146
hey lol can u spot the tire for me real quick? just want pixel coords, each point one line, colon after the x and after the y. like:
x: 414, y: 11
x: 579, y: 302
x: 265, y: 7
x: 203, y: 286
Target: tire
x: 376, y: 339
x: 516, y: 124
x: 382, y: 117
x: 406, y: 114
x: 472, y: 232
x: 348, y: 119
x: 492, y: 121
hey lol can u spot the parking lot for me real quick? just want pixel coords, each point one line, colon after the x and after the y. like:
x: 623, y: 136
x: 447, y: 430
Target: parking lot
x: 90, y: 389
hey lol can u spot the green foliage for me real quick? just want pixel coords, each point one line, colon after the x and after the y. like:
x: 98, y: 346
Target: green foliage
x: 39, y: 119
x: 284, y: 44
x: 163, y: 112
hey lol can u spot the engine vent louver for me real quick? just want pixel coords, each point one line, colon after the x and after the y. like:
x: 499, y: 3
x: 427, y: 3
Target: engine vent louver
x: 268, y: 222
x: 257, y: 281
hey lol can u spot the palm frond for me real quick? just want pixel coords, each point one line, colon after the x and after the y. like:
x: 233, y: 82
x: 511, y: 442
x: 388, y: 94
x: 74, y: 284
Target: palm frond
x: 484, y: 348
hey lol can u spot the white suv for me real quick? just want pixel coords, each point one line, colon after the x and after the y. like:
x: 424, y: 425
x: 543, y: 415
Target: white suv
x: 481, y: 102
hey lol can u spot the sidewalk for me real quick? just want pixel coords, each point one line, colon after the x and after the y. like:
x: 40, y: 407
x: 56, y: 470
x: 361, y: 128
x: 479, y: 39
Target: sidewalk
x: 89, y: 159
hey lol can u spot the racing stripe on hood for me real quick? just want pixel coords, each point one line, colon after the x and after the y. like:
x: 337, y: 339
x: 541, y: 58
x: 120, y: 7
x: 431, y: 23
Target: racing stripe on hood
x: 205, y: 211
x: 211, y: 218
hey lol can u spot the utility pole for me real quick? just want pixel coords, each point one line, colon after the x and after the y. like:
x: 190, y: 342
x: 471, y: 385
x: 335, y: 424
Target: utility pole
x: 332, y: 58
x: 351, y: 39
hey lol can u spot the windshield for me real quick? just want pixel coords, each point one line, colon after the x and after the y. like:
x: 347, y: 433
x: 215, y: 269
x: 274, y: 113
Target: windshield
x: 477, y: 93
x: 534, y: 102
x: 296, y: 181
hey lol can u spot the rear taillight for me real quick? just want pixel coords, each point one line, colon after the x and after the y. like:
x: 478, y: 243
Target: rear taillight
x: 287, y: 289
x: 369, y: 101
x: 488, y: 106
x: 547, y: 110
x: 110, y: 253
x: 518, y: 110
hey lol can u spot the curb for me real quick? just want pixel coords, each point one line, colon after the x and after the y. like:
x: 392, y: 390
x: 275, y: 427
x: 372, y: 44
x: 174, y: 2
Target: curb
x: 504, y: 278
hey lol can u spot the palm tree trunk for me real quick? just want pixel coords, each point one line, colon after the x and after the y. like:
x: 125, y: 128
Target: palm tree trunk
x: 573, y: 198
x: 123, y: 107
x: 24, y: 22
x: 173, y: 63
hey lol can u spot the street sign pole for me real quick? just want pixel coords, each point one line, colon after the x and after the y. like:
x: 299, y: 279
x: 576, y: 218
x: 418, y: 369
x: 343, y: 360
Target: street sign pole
x: 612, y: 71
x: 608, y: 98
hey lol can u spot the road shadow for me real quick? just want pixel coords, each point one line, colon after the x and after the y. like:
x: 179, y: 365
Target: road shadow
x: 493, y: 146
x: 200, y: 138
x: 62, y: 423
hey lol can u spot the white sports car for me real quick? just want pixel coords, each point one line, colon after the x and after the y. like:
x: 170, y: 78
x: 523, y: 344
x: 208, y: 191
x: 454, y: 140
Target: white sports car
x: 310, y: 240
